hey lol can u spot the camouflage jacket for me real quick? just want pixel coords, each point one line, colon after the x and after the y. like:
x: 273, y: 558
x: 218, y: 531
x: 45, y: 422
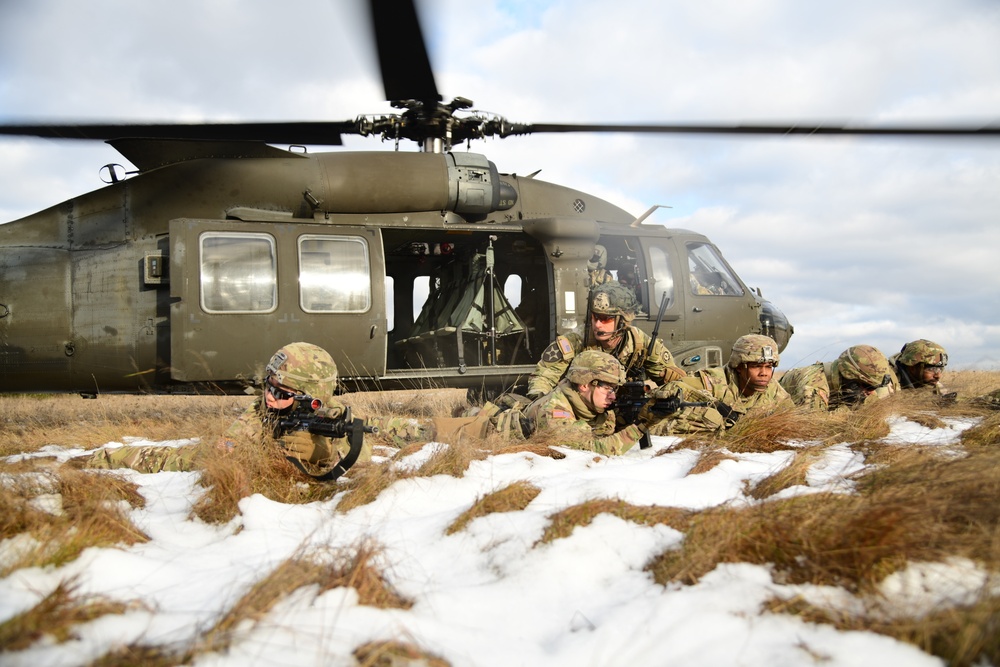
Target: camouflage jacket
x: 631, y: 351
x: 818, y: 386
x: 714, y: 385
x: 563, y: 408
x: 810, y: 385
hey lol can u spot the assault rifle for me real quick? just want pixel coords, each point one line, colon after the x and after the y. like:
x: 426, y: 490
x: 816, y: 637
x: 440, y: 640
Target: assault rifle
x: 304, y: 417
x: 631, y: 398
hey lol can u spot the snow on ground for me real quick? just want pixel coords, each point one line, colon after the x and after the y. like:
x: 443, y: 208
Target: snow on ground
x: 486, y: 595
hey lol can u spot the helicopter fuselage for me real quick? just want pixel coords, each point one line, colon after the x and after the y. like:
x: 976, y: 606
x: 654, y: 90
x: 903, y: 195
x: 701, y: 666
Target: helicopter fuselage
x: 411, y: 269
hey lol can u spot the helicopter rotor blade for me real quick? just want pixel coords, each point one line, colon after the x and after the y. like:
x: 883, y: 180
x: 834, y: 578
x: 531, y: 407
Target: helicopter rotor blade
x: 986, y: 130
x: 402, y: 53
x: 316, y: 133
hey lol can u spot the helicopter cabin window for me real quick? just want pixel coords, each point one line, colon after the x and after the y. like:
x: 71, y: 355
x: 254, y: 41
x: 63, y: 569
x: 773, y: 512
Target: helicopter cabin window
x: 709, y: 274
x: 334, y: 274
x: 620, y: 258
x: 238, y: 273
x: 663, y: 277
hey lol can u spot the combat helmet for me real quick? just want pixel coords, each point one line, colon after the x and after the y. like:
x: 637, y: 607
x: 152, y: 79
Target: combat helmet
x: 863, y: 364
x: 754, y: 349
x: 924, y: 352
x: 594, y: 365
x: 613, y: 298
x: 600, y: 258
x: 306, y: 368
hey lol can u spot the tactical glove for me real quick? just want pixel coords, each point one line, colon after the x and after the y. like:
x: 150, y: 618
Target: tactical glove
x: 305, y: 446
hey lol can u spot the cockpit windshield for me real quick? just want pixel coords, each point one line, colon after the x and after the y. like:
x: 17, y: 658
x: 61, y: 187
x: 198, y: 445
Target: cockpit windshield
x: 709, y: 274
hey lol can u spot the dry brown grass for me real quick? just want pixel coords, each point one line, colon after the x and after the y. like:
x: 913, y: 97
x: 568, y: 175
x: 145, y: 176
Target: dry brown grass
x: 914, y: 504
x: 562, y: 523
x: 708, y: 459
x: 55, y: 616
x: 963, y: 636
x: 794, y: 474
x: 511, y: 498
x: 65, y: 511
x: 922, y: 508
x: 30, y: 422
x: 969, y: 383
x: 394, y: 653
x: 354, y: 569
x: 229, y: 477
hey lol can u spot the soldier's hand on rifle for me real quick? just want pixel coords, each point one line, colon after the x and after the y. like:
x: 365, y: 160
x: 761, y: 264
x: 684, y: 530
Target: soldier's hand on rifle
x: 305, y: 446
x: 727, y: 412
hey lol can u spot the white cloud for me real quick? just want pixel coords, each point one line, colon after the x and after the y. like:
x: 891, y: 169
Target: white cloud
x: 904, y: 229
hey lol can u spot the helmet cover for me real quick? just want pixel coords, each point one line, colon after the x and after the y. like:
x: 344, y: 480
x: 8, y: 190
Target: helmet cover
x: 863, y: 364
x: 613, y: 298
x: 591, y: 365
x: 306, y: 368
x: 924, y: 352
x: 754, y: 349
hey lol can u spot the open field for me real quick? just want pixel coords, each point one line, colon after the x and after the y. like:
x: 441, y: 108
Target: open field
x: 903, y: 502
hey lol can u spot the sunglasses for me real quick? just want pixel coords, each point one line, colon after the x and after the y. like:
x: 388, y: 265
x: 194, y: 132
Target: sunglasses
x: 601, y: 317
x: 280, y: 394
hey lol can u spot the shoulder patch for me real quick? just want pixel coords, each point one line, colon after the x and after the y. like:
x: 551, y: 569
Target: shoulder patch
x: 561, y: 414
x: 561, y: 349
x: 564, y: 345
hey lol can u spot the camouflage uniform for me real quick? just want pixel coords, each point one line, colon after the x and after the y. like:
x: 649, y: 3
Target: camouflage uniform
x: 609, y: 299
x: 304, y: 367
x: 831, y: 385
x: 720, y: 387
x: 911, y: 360
x: 585, y: 427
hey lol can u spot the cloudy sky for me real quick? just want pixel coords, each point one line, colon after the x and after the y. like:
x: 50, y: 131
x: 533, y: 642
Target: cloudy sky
x: 874, y: 241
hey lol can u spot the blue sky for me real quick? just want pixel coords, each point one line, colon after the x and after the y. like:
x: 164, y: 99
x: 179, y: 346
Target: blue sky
x: 857, y: 241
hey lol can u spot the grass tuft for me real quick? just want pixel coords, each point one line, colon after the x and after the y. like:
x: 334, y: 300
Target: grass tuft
x: 561, y: 524
x: 65, y: 510
x: 54, y: 616
x: 511, y: 498
x: 394, y: 653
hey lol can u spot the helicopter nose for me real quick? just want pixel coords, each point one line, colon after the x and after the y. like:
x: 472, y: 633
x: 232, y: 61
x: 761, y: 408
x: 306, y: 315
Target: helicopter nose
x: 773, y: 323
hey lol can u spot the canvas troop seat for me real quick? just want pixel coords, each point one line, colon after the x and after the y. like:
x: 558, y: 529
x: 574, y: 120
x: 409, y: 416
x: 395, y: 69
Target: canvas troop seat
x: 466, y: 319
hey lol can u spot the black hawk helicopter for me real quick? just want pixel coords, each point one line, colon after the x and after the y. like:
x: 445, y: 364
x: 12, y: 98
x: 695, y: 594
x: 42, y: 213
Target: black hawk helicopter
x: 184, y: 277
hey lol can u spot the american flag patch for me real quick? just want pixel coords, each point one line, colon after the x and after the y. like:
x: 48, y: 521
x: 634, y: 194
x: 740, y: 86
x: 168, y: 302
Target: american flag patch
x: 561, y: 414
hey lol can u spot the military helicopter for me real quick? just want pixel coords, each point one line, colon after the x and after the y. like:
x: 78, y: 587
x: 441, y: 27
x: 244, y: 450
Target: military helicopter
x: 184, y: 277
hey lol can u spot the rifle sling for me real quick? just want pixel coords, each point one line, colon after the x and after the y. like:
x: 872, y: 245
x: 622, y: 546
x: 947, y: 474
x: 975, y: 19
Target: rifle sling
x: 357, y: 438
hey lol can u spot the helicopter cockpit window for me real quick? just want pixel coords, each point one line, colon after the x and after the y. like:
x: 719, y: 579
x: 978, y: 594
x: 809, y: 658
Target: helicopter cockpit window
x: 663, y: 277
x: 238, y: 273
x: 334, y: 274
x: 708, y: 272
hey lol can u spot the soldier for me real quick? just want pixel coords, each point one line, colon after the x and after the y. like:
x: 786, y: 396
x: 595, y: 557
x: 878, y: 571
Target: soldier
x: 612, y: 309
x: 745, y: 385
x: 919, y: 365
x: 597, y: 272
x: 859, y: 375
x: 294, y: 370
x: 581, y: 406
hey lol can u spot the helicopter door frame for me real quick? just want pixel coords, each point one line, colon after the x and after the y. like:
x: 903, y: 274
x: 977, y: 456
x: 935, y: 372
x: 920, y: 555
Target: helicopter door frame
x: 240, y: 290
